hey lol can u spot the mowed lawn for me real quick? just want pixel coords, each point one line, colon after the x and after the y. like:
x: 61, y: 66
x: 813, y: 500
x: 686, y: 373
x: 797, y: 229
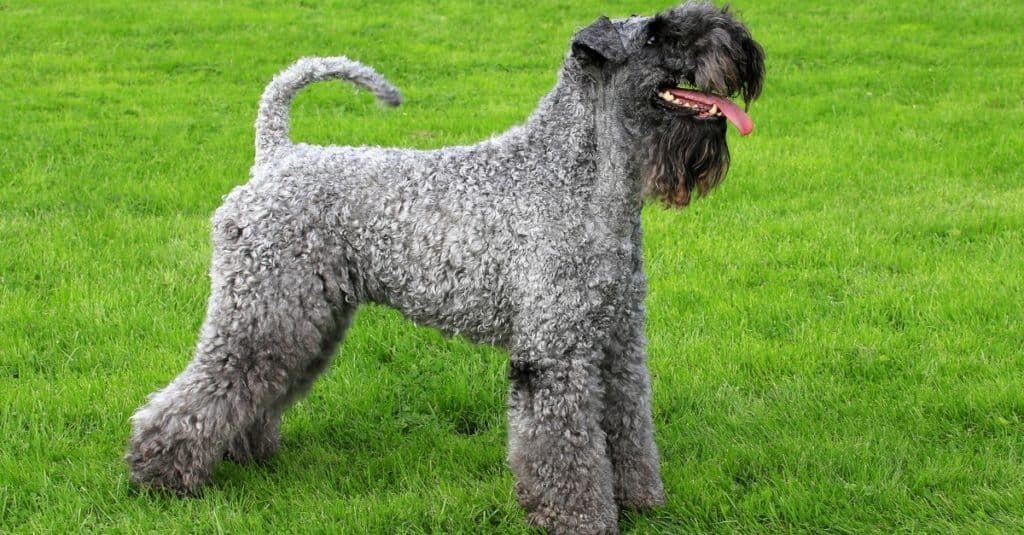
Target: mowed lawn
x: 836, y: 333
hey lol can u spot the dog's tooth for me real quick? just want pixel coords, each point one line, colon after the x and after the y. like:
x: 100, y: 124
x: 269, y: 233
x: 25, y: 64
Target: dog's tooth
x: 713, y: 110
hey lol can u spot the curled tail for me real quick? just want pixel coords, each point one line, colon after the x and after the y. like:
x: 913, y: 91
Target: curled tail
x: 273, y: 119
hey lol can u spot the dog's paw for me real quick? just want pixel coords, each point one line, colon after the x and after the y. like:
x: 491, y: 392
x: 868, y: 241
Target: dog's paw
x: 639, y: 499
x: 640, y: 488
x: 253, y: 447
x: 575, y: 523
x: 569, y: 516
x: 157, y: 467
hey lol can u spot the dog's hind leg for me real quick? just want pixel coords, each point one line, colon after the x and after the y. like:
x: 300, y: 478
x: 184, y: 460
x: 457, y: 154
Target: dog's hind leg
x: 267, y: 329
x: 262, y: 438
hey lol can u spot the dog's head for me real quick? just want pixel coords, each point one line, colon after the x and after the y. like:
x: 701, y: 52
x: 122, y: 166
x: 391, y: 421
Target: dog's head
x: 671, y: 77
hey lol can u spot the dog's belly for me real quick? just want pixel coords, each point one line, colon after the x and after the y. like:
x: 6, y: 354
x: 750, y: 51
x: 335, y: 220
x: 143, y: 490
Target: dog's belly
x: 439, y: 248
x: 474, y: 318
x: 445, y: 277
x: 423, y: 247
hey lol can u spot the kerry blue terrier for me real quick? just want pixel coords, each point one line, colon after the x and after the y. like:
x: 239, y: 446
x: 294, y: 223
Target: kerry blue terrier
x: 530, y: 240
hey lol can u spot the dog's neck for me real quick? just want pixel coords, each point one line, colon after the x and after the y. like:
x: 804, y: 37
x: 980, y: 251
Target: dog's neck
x: 581, y: 117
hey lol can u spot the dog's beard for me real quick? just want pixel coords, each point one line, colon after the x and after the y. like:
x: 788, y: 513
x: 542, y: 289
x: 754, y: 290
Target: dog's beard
x: 682, y: 157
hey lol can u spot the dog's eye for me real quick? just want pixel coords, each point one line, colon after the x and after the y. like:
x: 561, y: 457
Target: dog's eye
x: 651, y: 41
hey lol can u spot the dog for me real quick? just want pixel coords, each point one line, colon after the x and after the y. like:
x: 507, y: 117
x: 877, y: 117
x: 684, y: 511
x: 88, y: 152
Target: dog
x: 530, y: 241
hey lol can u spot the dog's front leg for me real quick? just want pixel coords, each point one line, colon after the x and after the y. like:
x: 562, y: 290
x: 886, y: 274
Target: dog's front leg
x: 627, y: 414
x: 557, y: 448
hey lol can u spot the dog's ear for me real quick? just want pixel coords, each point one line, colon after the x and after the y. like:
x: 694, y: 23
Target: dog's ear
x: 599, y: 43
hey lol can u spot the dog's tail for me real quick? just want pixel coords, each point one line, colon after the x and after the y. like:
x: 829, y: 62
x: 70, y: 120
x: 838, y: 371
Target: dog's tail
x: 273, y: 119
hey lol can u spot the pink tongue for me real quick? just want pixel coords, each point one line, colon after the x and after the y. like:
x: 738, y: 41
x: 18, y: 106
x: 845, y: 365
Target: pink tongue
x: 731, y: 111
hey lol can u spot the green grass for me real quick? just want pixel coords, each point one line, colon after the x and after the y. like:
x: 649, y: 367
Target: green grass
x: 836, y: 333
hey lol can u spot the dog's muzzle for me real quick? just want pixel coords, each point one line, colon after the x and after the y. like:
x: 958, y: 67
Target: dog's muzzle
x: 708, y: 106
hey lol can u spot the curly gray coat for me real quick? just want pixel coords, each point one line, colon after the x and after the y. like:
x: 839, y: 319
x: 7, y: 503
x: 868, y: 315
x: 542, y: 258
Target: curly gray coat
x: 530, y: 241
